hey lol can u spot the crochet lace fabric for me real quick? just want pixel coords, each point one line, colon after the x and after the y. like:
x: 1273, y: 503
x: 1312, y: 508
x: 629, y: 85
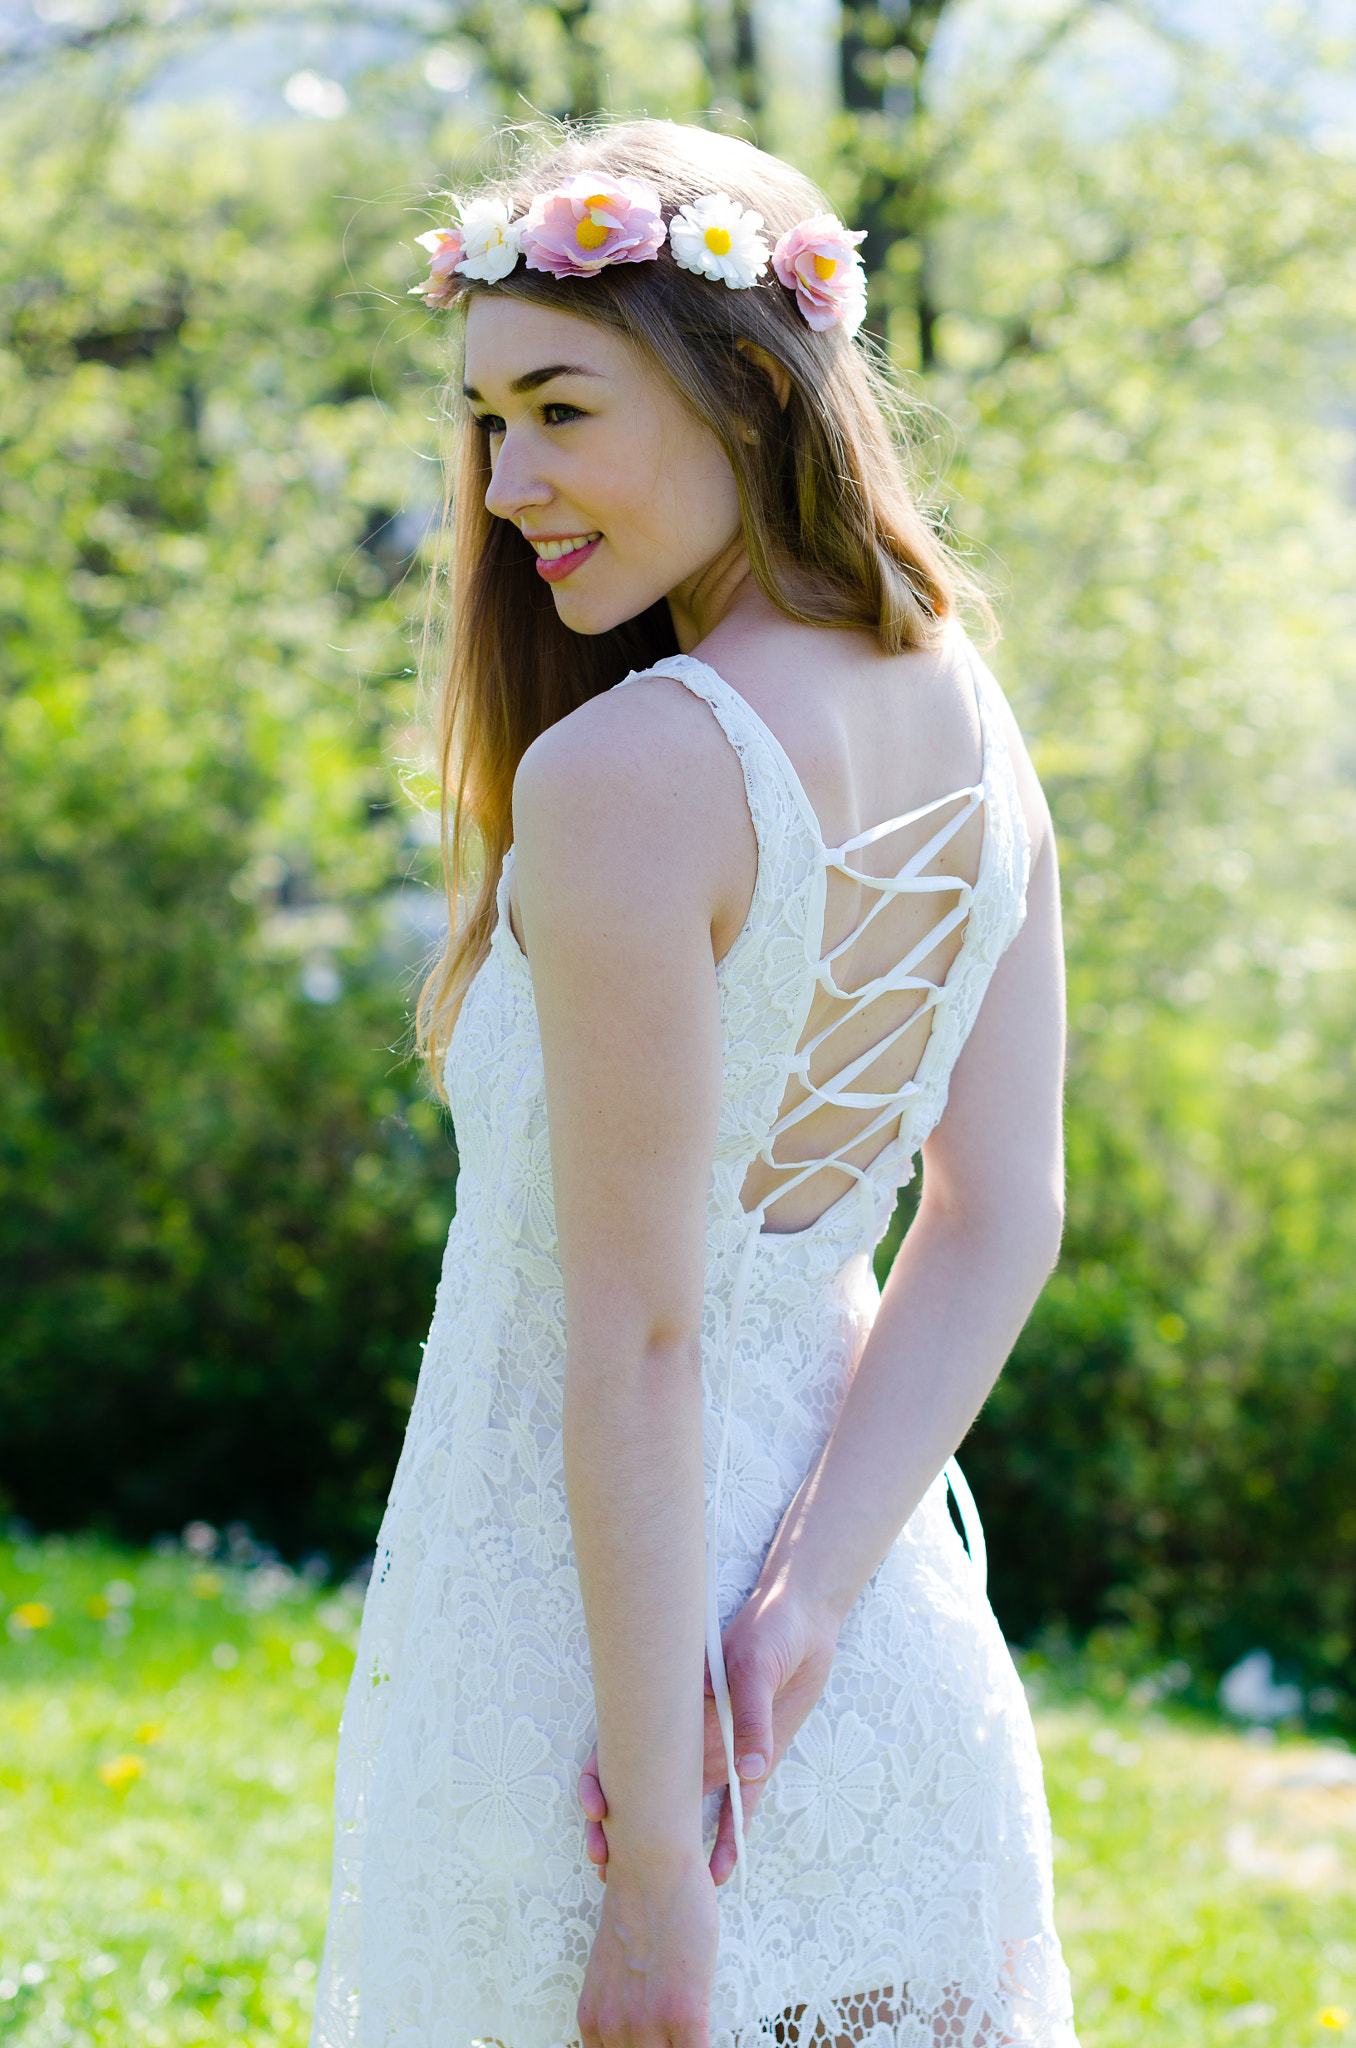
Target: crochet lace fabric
x: 895, y: 1888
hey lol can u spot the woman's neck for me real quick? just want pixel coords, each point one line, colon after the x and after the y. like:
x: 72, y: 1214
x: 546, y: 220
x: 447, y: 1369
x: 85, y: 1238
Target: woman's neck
x: 698, y: 605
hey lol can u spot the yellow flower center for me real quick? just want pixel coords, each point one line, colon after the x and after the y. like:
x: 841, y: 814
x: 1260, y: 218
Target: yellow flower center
x: 824, y: 268
x: 718, y: 241
x: 589, y: 234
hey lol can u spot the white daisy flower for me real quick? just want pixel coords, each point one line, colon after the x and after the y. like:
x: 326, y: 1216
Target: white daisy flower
x: 491, y: 240
x: 716, y: 238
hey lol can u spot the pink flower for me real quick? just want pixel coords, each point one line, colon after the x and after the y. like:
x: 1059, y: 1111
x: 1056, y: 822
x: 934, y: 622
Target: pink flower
x: 818, y: 260
x: 591, y: 222
x: 446, y: 248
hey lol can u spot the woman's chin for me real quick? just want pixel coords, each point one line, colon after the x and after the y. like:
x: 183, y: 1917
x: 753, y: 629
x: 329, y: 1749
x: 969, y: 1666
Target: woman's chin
x: 587, y: 616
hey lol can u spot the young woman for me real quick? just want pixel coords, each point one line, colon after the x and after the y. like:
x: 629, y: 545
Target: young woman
x: 766, y: 901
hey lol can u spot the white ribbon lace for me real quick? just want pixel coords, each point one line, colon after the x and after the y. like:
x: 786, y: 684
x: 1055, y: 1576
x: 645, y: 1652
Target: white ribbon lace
x: 882, y: 1110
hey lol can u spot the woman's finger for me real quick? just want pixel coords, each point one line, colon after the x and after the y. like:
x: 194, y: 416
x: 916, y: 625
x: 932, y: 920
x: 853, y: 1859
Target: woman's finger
x: 751, y: 1693
x: 591, y: 1798
x: 723, y: 1857
x: 723, y: 1850
x: 590, y: 1791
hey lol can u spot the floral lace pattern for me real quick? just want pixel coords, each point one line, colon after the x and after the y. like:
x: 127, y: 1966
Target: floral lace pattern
x: 897, y: 1885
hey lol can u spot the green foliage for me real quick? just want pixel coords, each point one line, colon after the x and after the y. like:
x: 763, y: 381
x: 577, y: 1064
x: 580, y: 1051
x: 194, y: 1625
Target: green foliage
x: 222, y: 1201
x: 1142, y: 351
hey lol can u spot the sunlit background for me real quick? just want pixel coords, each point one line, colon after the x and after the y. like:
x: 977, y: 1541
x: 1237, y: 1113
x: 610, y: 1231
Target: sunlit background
x: 1110, y: 245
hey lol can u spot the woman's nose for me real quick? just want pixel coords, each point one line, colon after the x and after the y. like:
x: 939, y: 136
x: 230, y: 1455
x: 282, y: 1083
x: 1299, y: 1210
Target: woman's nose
x: 514, y: 485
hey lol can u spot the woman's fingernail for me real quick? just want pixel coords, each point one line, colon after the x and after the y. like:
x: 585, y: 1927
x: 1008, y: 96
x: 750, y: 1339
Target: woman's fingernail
x: 751, y: 1766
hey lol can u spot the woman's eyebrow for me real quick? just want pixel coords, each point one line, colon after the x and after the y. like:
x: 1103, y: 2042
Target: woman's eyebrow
x: 532, y: 380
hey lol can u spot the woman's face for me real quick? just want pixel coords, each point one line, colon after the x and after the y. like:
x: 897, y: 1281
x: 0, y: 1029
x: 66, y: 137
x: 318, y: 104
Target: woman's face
x: 625, y: 496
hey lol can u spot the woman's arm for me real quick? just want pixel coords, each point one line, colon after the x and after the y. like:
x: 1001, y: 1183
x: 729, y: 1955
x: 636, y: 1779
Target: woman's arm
x: 979, y: 1249
x: 966, y: 1277
x: 630, y: 821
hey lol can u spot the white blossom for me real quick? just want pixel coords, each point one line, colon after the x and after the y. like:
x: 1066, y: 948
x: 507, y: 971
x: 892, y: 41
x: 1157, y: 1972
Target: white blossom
x: 491, y: 240
x: 716, y: 238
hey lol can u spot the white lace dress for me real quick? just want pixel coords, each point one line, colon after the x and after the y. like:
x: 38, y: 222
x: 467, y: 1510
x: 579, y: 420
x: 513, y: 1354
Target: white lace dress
x: 895, y: 1888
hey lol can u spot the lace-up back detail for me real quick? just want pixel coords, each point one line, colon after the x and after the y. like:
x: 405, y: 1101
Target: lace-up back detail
x: 835, y: 1119
x: 872, y: 1029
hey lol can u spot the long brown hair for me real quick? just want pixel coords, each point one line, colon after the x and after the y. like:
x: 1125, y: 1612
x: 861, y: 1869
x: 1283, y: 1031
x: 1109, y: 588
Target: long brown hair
x: 831, y: 528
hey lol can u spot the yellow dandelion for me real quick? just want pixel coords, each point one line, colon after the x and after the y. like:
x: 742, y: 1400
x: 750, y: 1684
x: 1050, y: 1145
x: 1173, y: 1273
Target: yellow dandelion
x: 32, y: 1614
x: 150, y: 1731
x: 1334, y: 2016
x: 120, y: 1771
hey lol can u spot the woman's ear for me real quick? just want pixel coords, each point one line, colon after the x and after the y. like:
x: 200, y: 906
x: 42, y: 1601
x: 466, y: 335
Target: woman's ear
x: 777, y: 375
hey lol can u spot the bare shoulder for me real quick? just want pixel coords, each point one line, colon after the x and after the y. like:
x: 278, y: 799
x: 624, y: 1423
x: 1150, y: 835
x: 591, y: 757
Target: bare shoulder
x: 626, y: 743
x: 639, y: 791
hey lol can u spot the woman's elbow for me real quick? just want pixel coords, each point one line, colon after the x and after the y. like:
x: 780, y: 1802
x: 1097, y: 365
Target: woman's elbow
x: 1033, y: 1219
x: 1047, y: 1227
x: 1018, y: 1223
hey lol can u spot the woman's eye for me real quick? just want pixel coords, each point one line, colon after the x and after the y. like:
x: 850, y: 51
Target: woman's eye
x: 559, y: 414
x: 490, y: 421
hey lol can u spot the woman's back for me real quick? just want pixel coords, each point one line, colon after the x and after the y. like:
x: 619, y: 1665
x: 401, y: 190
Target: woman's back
x: 868, y: 741
x: 873, y: 738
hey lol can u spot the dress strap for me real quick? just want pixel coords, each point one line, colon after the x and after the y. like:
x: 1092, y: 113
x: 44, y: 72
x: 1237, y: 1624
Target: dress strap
x: 778, y: 806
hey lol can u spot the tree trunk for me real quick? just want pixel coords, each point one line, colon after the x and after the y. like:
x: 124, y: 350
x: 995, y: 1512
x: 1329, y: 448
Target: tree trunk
x: 726, y: 35
x: 583, y: 68
x: 882, y: 49
x: 748, y: 81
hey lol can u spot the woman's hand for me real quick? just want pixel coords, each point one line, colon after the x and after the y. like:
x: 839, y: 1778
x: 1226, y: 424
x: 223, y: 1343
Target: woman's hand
x: 778, y: 1654
x: 649, y: 1976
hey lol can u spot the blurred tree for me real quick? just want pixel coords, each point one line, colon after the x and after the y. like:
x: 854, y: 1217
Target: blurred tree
x: 1142, y: 337
x: 881, y: 48
x: 559, y: 59
x: 222, y: 1191
x: 898, y: 151
x: 222, y: 1197
x: 727, y: 39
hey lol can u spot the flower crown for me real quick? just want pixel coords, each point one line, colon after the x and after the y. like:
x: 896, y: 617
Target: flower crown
x: 581, y: 228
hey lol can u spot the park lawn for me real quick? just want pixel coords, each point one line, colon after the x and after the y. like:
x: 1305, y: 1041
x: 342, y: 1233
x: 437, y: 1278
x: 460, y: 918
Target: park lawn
x: 1201, y: 1895
x: 166, y: 1747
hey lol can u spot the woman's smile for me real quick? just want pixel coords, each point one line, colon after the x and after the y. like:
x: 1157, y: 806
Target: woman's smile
x: 558, y: 557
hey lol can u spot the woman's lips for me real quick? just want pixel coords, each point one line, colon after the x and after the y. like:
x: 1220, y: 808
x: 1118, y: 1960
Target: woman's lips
x: 565, y: 565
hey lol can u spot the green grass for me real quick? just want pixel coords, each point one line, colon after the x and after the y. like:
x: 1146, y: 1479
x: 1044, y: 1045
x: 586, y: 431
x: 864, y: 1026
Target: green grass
x: 1200, y: 1898
x: 164, y: 1826
x: 185, y: 1900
